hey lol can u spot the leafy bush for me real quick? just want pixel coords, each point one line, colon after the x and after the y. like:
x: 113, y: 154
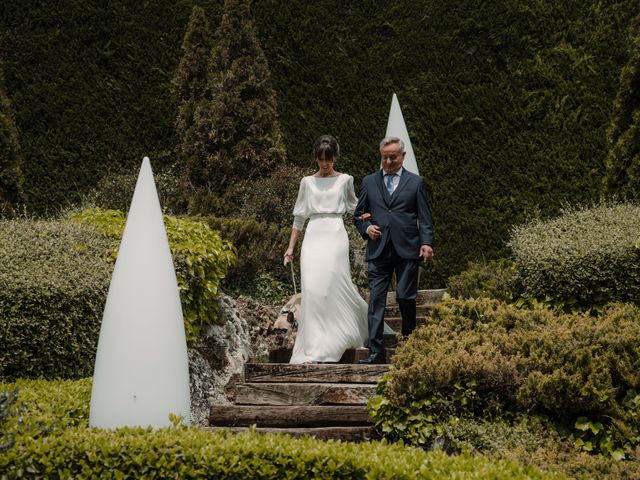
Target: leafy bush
x: 201, y: 258
x: 622, y: 176
x: 260, y: 247
x: 115, y: 190
x: 497, y: 279
x: 54, y: 441
x: 54, y: 277
x: 482, y: 358
x: 584, y: 258
x: 11, y: 160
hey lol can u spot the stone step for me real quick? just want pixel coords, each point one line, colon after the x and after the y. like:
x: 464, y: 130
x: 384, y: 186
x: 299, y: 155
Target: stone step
x: 304, y: 393
x: 314, y: 373
x: 345, y: 434
x: 289, y: 416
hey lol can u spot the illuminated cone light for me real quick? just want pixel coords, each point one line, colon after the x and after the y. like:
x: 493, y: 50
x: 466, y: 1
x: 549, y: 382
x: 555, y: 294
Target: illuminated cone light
x: 141, y: 373
x: 397, y: 128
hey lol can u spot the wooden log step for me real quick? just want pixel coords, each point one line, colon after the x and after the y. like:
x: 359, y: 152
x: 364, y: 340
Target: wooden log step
x: 314, y: 373
x: 288, y: 416
x: 428, y: 297
x: 394, y: 310
x: 304, y: 393
x: 396, y: 322
x: 345, y: 434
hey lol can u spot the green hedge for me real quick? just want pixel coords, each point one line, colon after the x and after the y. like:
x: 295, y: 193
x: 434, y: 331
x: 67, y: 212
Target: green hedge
x: 483, y: 358
x: 584, y: 258
x: 201, y: 260
x: 54, y: 277
x: 52, y: 440
x: 506, y: 104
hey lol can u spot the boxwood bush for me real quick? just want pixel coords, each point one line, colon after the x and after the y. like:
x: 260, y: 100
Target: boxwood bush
x: 52, y: 439
x: 483, y: 358
x: 54, y: 278
x: 585, y: 257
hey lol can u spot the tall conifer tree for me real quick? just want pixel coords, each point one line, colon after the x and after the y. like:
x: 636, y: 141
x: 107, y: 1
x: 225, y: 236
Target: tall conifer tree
x: 622, y: 177
x: 11, y: 161
x: 240, y: 126
x: 190, y: 88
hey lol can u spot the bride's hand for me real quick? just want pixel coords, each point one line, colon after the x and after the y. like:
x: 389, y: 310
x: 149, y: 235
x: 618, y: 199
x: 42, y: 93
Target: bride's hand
x: 288, y: 256
x: 365, y: 217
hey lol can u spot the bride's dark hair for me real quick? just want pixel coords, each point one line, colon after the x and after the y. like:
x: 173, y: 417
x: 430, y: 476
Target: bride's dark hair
x: 326, y: 146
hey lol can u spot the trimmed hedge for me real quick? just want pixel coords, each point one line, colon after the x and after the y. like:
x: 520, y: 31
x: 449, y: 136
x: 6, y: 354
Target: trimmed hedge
x: 201, y: 259
x: 584, y: 258
x: 54, y: 277
x: 53, y: 441
x: 483, y: 358
x: 506, y: 105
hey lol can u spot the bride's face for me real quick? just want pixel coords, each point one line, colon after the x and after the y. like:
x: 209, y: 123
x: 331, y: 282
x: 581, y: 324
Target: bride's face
x: 325, y: 166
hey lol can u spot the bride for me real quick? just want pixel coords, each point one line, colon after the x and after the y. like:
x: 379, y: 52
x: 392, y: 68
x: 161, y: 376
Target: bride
x: 333, y: 315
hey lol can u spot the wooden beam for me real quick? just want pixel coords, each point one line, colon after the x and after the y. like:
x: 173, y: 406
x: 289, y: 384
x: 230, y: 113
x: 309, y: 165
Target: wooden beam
x: 314, y: 373
x: 304, y: 393
x: 288, y: 416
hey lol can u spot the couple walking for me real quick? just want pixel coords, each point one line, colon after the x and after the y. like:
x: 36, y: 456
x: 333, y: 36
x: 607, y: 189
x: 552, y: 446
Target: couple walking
x: 392, y: 214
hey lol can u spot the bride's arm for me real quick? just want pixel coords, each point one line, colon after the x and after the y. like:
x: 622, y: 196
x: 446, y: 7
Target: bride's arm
x: 293, y: 239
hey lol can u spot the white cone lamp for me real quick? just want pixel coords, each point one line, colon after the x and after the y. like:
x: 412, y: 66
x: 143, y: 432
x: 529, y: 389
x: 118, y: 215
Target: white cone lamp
x: 397, y: 128
x: 141, y: 373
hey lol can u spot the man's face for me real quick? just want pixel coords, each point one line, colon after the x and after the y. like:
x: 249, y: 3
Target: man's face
x: 391, y: 157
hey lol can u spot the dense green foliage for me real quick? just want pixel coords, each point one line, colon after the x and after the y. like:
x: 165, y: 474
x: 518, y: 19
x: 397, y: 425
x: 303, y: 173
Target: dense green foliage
x: 584, y: 258
x: 53, y: 441
x: 486, y: 359
x: 190, y: 86
x: 237, y: 122
x: 10, y: 156
x: 201, y: 259
x: 259, y: 244
x: 54, y: 277
x: 623, y: 163
x: 497, y: 279
x: 507, y: 104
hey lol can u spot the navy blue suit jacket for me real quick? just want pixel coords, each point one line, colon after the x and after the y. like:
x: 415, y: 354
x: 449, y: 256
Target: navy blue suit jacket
x: 404, y: 217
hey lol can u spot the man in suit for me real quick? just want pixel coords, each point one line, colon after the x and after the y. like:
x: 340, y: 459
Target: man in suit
x: 399, y: 233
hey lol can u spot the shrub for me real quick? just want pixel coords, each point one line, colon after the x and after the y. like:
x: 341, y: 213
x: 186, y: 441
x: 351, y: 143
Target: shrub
x: 201, y: 258
x: 260, y: 247
x: 584, y: 258
x: 497, y: 279
x: 482, y: 358
x: 622, y: 175
x: 68, y: 449
x: 11, y: 160
x: 54, y: 277
x: 238, y: 124
x: 115, y: 190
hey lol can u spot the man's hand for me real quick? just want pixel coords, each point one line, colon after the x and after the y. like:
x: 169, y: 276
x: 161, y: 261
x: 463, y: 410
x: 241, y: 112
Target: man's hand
x: 374, y: 232
x: 426, y: 253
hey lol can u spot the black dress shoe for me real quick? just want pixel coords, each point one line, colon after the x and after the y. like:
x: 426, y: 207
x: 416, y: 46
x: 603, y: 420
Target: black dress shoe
x: 374, y: 358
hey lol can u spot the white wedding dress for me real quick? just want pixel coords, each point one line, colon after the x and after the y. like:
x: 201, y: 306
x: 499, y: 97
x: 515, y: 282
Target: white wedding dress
x: 333, y: 315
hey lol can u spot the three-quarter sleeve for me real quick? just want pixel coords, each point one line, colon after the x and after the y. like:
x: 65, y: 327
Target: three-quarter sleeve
x: 300, y: 210
x: 351, y: 200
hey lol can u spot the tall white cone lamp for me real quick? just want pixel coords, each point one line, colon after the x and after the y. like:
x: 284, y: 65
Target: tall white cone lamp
x: 397, y: 128
x: 141, y: 373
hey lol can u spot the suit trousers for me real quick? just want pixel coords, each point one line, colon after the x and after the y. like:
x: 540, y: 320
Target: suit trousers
x: 380, y: 272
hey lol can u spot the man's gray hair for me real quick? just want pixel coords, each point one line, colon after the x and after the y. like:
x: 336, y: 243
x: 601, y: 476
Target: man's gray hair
x: 388, y: 140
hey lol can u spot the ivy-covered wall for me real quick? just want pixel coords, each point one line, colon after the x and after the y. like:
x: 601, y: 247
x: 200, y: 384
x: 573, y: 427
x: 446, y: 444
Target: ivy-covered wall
x: 506, y: 102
